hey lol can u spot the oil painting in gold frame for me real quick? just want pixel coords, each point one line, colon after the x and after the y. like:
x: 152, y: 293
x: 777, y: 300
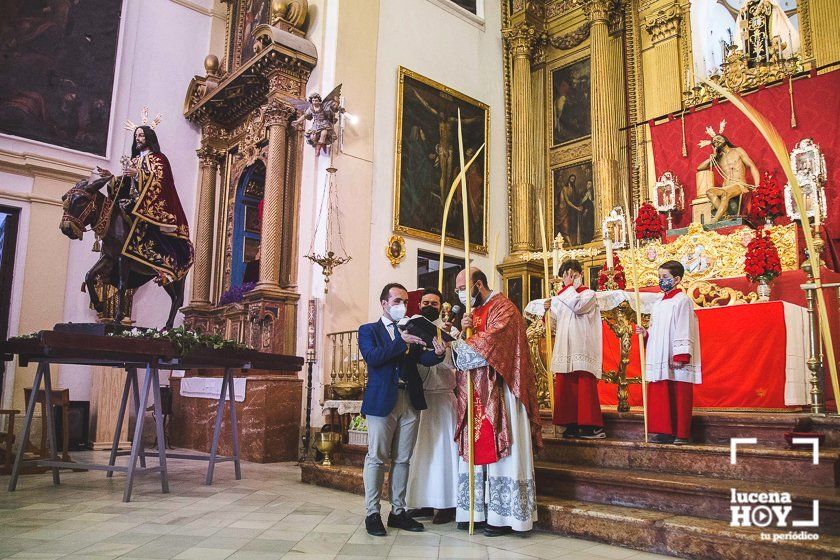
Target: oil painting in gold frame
x: 427, y: 161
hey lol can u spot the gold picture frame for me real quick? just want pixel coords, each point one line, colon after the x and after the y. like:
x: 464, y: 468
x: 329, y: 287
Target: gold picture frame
x: 430, y: 109
x: 395, y: 250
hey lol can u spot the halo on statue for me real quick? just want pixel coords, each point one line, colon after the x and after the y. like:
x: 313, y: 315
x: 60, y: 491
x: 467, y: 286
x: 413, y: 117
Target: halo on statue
x: 144, y: 120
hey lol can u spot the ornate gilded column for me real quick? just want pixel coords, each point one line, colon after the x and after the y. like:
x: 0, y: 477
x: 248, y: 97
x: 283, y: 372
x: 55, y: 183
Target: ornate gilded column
x: 663, y: 75
x: 520, y: 40
x: 277, y: 115
x: 605, y: 109
x: 208, y: 158
x: 818, y: 28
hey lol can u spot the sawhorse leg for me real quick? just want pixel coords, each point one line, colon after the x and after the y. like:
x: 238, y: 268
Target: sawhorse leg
x: 27, y: 424
x: 220, y: 411
x: 137, y: 410
x: 234, y: 426
x: 164, y: 477
x: 120, y: 418
x: 137, y: 442
x: 51, y: 422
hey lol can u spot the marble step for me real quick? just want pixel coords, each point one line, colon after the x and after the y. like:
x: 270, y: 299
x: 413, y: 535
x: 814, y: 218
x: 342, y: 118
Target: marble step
x: 719, y: 427
x: 650, y: 531
x: 677, y: 535
x: 677, y: 494
x: 755, y: 463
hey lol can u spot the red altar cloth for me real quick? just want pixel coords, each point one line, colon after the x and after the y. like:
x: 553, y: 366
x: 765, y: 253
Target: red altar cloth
x: 816, y: 101
x: 742, y: 348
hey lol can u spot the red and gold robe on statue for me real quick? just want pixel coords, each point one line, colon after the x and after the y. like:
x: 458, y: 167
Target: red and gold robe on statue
x: 159, y: 236
x: 507, y: 418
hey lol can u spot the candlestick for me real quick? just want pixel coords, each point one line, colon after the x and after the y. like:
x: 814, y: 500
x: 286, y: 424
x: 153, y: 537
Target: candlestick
x: 609, y: 246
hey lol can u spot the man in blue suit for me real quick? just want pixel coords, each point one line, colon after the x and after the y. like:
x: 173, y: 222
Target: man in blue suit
x: 392, y: 404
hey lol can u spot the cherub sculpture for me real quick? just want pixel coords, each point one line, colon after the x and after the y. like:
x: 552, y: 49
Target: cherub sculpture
x: 324, y: 115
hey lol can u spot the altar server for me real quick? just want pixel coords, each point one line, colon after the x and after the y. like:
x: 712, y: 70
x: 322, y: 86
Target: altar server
x: 673, y: 360
x: 576, y: 361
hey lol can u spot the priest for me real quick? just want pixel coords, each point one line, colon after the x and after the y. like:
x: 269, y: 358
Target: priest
x: 507, y: 421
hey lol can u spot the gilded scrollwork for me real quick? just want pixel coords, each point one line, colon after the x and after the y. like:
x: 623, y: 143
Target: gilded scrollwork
x: 571, y: 39
x: 709, y: 294
x: 708, y: 254
x: 570, y: 153
x: 520, y: 40
x: 560, y: 7
x: 664, y: 24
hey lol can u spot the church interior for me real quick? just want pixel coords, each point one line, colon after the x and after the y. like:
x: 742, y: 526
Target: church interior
x: 263, y: 161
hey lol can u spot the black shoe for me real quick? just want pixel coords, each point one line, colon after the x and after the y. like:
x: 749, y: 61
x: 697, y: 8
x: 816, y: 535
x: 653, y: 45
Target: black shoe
x: 493, y: 531
x: 571, y: 431
x: 404, y: 522
x: 443, y: 516
x: 682, y: 441
x: 374, y: 526
x: 420, y: 512
x: 592, y: 432
x: 465, y: 525
x: 661, y: 438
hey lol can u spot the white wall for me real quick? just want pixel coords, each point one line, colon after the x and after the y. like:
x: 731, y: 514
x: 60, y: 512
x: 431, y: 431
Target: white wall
x: 431, y: 41
x: 162, y: 46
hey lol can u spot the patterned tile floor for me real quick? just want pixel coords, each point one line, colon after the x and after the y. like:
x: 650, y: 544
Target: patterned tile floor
x: 268, y: 515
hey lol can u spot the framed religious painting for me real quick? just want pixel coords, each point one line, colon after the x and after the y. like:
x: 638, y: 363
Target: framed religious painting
x: 427, y: 161
x: 246, y: 16
x: 570, y: 104
x: 574, y: 203
x: 57, y: 71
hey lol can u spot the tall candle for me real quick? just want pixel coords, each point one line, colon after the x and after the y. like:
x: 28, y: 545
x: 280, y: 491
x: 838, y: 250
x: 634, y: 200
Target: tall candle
x: 609, y: 246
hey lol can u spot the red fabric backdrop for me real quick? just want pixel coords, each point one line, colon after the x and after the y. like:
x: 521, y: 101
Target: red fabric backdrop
x: 817, y: 106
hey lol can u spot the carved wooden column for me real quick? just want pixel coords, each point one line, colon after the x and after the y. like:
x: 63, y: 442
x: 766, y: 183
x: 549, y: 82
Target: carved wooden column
x: 209, y: 168
x: 605, y: 110
x: 277, y: 115
x: 520, y: 40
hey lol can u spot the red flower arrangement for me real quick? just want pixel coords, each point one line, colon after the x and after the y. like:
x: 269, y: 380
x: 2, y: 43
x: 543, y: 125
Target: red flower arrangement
x: 648, y: 224
x: 616, y: 275
x: 762, y: 260
x: 767, y: 199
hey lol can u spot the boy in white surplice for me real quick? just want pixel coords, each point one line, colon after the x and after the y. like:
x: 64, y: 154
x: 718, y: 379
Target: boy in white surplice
x: 576, y: 361
x: 673, y: 359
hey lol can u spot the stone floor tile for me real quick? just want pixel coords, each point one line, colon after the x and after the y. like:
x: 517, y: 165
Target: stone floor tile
x: 196, y: 553
x: 414, y: 551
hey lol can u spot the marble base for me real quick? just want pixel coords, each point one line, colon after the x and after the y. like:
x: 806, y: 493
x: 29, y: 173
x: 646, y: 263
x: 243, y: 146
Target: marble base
x: 269, y: 419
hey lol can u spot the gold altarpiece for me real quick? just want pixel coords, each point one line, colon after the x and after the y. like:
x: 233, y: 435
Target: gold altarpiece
x: 244, y: 108
x: 640, y: 61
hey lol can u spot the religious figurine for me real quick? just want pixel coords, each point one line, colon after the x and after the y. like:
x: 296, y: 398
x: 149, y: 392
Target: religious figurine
x: 669, y: 196
x: 731, y: 163
x: 324, y: 116
x: 765, y: 33
x: 141, y: 224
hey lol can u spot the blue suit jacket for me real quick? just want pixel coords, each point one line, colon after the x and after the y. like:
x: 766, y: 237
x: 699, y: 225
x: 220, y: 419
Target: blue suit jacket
x: 385, y: 359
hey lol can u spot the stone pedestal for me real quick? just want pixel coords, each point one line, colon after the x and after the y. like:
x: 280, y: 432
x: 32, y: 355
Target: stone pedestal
x: 106, y: 387
x: 269, y: 419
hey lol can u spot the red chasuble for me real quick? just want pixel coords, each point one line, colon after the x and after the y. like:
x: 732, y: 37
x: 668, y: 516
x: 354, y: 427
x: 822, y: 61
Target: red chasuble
x: 499, y: 337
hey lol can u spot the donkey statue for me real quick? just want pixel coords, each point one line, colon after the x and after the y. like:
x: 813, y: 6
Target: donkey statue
x: 86, y: 207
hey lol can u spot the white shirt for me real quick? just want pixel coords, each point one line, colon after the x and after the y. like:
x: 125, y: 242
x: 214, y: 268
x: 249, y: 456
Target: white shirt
x: 387, y: 321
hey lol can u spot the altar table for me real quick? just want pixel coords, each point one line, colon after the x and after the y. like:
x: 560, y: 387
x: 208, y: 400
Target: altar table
x: 131, y: 354
x: 754, y: 356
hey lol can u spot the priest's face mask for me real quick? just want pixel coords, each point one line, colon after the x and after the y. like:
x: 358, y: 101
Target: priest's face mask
x: 430, y: 307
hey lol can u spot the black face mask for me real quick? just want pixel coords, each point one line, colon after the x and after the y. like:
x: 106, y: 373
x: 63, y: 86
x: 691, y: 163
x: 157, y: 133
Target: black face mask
x: 430, y: 313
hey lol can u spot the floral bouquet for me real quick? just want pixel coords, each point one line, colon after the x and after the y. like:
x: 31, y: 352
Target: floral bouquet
x: 236, y: 293
x: 767, y: 199
x: 762, y: 263
x: 612, y: 279
x: 648, y: 224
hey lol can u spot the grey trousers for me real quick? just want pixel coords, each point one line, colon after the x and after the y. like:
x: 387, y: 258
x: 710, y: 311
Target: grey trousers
x: 390, y: 437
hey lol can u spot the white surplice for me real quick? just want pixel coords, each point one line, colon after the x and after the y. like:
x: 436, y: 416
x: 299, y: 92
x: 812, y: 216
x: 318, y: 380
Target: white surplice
x: 673, y: 331
x: 433, y: 477
x: 578, y: 337
x: 505, y: 491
